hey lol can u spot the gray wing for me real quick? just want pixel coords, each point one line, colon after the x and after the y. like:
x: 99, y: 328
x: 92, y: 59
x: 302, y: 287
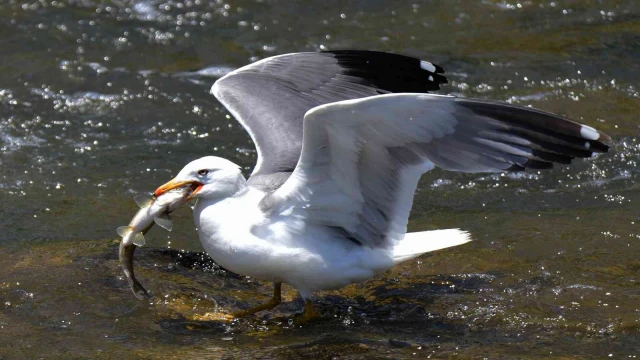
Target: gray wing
x: 270, y: 97
x: 362, y: 159
x: 494, y: 137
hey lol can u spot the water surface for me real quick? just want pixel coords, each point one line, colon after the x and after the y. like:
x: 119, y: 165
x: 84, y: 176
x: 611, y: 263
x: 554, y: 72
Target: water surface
x: 101, y: 100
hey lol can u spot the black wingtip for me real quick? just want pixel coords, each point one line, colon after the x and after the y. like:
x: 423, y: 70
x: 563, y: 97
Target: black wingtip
x: 548, y: 132
x: 391, y: 72
x: 530, y: 164
x: 515, y: 168
x: 597, y: 146
x: 539, y: 165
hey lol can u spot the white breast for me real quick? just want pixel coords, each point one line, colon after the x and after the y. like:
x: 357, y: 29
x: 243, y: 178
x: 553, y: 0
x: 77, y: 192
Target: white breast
x: 226, y: 230
x: 282, y: 248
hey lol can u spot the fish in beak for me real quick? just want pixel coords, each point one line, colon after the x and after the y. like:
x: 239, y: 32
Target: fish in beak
x: 152, y: 211
x: 174, y: 184
x: 125, y: 254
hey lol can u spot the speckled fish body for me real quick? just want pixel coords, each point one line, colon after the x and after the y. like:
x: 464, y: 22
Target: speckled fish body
x: 151, y: 211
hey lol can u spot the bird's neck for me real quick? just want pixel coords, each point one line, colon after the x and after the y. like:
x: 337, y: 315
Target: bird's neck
x: 229, y: 186
x: 234, y: 214
x: 239, y: 187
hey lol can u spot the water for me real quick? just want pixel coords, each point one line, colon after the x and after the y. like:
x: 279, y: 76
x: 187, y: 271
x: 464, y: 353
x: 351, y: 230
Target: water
x: 101, y: 100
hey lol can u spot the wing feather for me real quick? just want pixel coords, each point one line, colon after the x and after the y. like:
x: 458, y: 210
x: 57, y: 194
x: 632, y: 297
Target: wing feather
x: 361, y: 159
x: 270, y: 97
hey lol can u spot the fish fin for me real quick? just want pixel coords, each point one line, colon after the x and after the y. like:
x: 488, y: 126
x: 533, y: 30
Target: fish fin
x: 139, y: 240
x: 142, y: 200
x: 123, y: 230
x: 164, y: 221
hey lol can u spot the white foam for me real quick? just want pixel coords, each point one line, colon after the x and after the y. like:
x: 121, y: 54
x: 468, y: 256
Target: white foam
x: 430, y: 78
x: 145, y: 11
x: 427, y: 66
x: 589, y: 133
x: 10, y: 143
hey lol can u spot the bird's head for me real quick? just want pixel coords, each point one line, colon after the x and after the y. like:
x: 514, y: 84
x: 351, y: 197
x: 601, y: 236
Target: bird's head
x: 209, y: 177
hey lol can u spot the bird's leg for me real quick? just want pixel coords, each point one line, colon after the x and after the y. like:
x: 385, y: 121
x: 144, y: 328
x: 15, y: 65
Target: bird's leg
x: 310, y: 313
x: 275, y: 301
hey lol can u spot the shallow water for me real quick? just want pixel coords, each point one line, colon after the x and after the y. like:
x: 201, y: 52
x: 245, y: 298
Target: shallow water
x: 101, y: 100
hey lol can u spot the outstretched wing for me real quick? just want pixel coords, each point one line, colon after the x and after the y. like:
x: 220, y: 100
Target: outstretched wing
x: 362, y: 159
x: 270, y: 97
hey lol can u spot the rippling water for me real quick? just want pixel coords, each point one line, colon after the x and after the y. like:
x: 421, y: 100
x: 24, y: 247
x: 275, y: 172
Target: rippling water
x: 101, y: 100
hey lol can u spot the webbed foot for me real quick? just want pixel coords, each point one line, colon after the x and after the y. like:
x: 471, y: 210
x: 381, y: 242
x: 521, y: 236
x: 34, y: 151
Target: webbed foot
x: 310, y: 314
x: 275, y: 301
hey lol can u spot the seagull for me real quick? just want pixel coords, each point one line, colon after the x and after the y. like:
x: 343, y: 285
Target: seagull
x: 342, y: 138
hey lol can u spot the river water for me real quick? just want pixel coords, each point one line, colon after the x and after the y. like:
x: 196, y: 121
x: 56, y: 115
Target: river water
x: 101, y: 100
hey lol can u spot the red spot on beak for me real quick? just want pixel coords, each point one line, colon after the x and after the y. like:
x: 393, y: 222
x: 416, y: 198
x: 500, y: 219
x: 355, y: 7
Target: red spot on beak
x: 197, y: 189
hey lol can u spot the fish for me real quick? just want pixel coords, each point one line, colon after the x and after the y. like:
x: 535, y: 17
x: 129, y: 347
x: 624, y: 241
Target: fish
x: 152, y: 211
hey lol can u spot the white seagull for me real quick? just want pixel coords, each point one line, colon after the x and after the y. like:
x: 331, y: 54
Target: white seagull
x: 342, y: 139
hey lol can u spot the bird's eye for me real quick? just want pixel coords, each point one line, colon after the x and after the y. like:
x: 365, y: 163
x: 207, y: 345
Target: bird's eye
x: 203, y: 172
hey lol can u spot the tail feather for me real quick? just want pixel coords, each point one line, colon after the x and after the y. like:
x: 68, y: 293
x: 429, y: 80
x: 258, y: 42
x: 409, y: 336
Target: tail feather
x: 418, y: 243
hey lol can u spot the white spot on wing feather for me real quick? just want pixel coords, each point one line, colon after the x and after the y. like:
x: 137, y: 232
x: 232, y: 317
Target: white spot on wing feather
x: 427, y: 66
x: 589, y: 133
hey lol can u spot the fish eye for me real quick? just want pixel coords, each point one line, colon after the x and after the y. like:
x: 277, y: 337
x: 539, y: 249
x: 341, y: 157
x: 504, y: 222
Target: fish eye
x: 203, y: 172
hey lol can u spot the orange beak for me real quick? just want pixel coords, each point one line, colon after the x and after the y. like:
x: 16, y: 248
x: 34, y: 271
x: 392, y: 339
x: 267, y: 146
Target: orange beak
x: 173, y: 184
